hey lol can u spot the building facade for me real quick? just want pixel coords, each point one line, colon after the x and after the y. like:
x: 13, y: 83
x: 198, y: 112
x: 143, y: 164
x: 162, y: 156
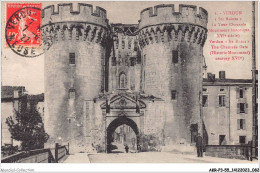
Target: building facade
x: 227, y: 110
x: 149, y: 76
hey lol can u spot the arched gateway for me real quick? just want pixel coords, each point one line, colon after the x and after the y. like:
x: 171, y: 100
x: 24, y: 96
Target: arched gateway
x: 116, y: 123
x: 122, y: 109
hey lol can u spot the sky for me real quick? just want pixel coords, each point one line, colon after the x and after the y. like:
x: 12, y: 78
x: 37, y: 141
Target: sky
x: 29, y: 72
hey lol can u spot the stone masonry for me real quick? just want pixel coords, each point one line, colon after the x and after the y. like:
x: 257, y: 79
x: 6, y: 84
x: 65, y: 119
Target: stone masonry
x: 148, y: 76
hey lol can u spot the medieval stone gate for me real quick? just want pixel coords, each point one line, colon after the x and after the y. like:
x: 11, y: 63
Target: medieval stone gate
x: 122, y: 109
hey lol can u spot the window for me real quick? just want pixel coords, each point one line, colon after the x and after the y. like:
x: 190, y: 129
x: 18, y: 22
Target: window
x: 222, y: 140
x: 123, y: 44
x: 71, y: 93
x: 221, y: 89
x: 204, y: 101
x: 242, y: 107
x: 241, y: 93
x: 221, y: 100
x: 242, y: 139
x: 174, y: 95
x: 72, y: 58
x: 175, y: 56
x: 129, y: 44
x: 122, y: 81
x: 241, y: 124
x: 132, y: 61
x: 135, y: 46
x: 205, y: 89
x: 113, y: 61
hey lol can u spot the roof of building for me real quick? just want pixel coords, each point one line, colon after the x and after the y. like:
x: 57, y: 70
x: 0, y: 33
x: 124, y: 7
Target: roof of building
x: 217, y: 81
x: 37, y: 98
x: 8, y: 91
x: 7, y: 94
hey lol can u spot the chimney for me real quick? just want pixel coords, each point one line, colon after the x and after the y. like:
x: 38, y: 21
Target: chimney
x: 211, y: 77
x: 222, y: 75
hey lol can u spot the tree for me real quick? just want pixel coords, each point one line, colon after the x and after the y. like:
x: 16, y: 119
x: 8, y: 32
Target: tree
x: 28, y: 127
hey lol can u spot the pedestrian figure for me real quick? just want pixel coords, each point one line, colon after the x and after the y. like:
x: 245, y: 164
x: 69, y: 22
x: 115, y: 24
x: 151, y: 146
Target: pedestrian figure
x: 126, y: 148
x: 199, y: 145
x: 138, y: 148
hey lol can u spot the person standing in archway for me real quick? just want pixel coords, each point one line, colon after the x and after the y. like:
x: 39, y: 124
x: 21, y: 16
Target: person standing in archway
x: 126, y: 148
x: 199, y: 145
x: 138, y: 148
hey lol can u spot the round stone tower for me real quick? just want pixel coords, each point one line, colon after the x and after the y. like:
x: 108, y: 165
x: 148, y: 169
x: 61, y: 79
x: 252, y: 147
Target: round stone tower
x: 74, y: 58
x: 172, y: 58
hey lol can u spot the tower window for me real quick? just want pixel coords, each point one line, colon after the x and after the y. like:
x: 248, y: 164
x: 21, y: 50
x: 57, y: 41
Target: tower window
x: 135, y: 46
x: 123, y: 44
x: 113, y: 61
x: 204, y: 101
x: 122, y: 81
x: 174, y: 95
x: 72, y: 58
x: 221, y: 100
x: 72, y: 94
x: 132, y: 61
x: 175, y: 56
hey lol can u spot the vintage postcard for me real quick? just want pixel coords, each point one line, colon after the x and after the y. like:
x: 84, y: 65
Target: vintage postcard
x: 130, y: 82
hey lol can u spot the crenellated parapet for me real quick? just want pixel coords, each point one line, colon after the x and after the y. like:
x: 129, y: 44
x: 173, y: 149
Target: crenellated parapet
x: 172, y: 32
x: 74, y: 31
x: 162, y: 24
x: 165, y: 13
x: 84, y: 24
x: 65, y: 13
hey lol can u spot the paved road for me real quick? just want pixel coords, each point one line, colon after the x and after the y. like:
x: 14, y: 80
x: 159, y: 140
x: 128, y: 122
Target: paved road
x: 77, y: 158
x: 144, y: 157
x: 157, y: 157
x: 120, y: 148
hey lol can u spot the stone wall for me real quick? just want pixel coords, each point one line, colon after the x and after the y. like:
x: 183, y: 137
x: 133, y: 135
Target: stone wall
x: 123, y: 58
x: 68, y: 84
x: 228, y: 151
x: 144, y: 53
x: 172, y: 62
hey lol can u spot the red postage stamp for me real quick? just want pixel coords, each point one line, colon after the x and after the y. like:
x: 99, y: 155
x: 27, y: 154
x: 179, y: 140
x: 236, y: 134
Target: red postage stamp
x: 23, y: 27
